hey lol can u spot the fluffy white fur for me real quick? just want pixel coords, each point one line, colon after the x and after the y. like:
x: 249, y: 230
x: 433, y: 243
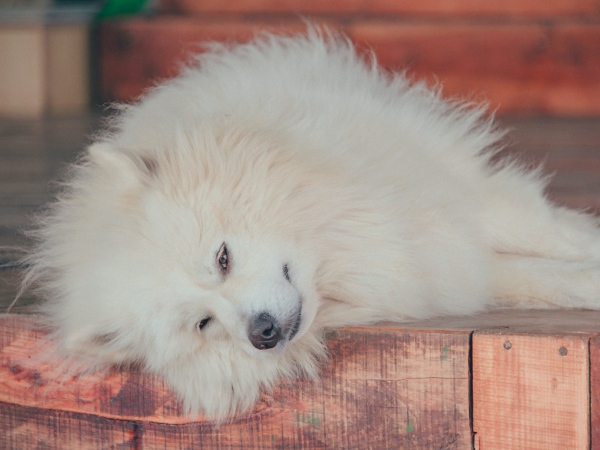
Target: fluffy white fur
x: 378, y: 196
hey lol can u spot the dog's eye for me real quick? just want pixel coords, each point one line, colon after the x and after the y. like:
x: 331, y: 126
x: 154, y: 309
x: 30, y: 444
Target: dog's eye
x: 286, y: 272
x: 223, y: 258
x: 204, y: 322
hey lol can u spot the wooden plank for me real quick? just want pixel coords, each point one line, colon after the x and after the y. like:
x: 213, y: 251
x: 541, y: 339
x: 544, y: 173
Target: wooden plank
x: 384, y: 388
x: 136, y: 54
x: 510, y: 321
x: 435, y: 8
x: 530, y: 391
x: 32, y: 428
x: 536, y: 69
x: 595, y: 392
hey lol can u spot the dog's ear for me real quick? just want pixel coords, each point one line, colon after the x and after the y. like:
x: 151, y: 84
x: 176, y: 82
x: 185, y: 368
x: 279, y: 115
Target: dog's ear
x: 128, y: 169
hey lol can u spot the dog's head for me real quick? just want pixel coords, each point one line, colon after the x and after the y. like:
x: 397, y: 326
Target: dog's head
x: 190, y: 263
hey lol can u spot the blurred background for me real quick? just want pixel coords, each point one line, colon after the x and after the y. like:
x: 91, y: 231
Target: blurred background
x: 536, y: 62
x: 527, y: 57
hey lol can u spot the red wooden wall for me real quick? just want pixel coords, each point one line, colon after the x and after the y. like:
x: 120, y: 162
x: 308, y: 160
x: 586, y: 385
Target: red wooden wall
x: 523, y: 56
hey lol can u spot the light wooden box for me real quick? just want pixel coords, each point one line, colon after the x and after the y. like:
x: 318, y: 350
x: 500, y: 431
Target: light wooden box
x: 44, y: 69
x: 503, y: 381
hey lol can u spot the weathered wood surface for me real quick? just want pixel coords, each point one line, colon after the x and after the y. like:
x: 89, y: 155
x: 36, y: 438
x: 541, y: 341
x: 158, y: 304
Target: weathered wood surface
x: 536, y: 381
x: 531, y: 392
x: 595, y: 392
x: 547, y: 67
x: 137, y: 54
x: 519, y: 68
x: 384, y: 388
x: 436, y: 8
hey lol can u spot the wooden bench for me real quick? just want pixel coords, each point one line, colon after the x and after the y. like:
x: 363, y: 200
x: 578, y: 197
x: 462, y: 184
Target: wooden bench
x: 505, y: 380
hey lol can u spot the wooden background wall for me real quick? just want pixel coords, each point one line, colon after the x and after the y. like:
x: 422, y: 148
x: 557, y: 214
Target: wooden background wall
x: 523, y: 56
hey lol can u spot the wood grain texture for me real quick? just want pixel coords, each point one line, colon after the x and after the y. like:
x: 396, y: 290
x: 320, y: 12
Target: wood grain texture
x: 137, y: 54
x: 533, y: 395
x: 25, y: 428
x: 435, y: 8
x: 519, y: 68
x: 595, y: 392
x: 536, y: 68
x: 382, y: 389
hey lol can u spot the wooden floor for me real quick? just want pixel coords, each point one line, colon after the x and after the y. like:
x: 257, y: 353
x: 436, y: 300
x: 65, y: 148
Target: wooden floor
x: 32, y: 153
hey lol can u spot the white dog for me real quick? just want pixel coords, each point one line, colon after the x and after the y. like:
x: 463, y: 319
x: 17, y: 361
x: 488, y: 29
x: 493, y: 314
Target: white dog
x: 279, y: 188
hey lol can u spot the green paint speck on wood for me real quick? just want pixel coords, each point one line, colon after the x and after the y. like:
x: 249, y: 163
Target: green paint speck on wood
x: 444, y: 354
x: 309, y: 419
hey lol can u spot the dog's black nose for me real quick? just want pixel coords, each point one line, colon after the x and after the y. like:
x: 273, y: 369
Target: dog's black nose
x: 264, y: 331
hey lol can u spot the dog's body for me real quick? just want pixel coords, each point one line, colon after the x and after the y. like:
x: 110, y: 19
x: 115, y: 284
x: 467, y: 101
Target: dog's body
x: 280, y: 188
